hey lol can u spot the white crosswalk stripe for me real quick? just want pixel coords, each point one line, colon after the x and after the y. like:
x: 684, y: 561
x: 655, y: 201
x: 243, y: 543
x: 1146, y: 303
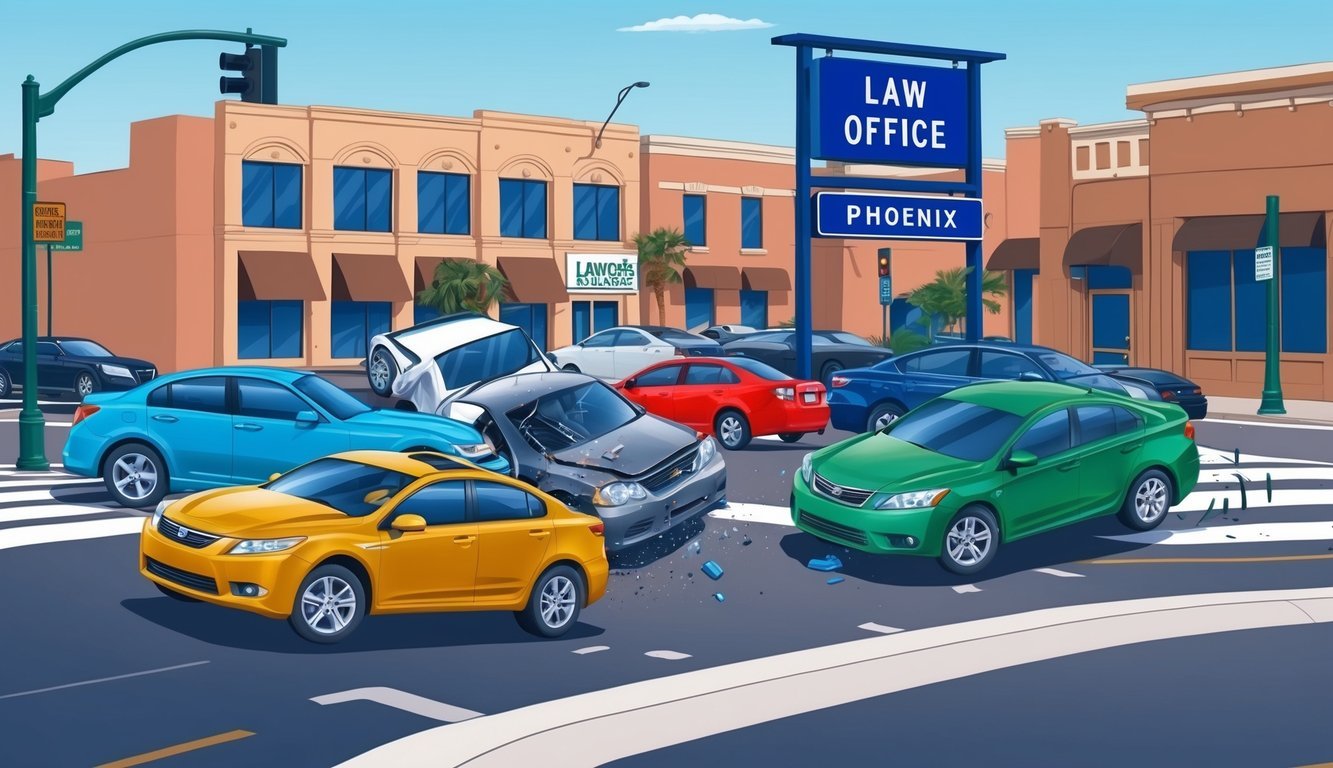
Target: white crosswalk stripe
x: 37, y: 507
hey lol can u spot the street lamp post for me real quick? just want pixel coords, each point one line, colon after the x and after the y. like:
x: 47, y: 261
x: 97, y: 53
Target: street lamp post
x: 619, y: 98
x: 36, y: 105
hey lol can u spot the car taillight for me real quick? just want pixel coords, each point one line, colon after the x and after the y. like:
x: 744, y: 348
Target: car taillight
x: 785, y: 393
x: 83, y: 412
x: 598, y: 529
x: 1197, y: 391
x: 840, y: 381
x: 1189, y: 430
x: 681, y: 353
x: 1168, y: 394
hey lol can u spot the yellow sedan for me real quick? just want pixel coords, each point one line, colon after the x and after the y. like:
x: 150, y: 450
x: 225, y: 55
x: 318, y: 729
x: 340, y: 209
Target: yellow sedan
x: 379, y: 532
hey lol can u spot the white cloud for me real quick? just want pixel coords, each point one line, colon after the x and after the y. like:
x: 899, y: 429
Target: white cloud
x: 703, y: 22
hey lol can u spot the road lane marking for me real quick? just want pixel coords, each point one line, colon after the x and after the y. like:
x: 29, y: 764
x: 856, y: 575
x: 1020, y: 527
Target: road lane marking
x: 1275, y: 425
x: 189, y: 746
x: 966, y: 588
x: 603, y: 726
x: 592, y: 649
x: 47, y: 512
x: 408, y: 702
x: 45, y: 495
x: 1176, y: 560
x: 1058, y: 572
x: 60, y: 480
x: 13, y: 468
x: 101, y: 680
x: 754, y: 513
x: 871, y: 626
x: 1198, y: 501
x: 1249, y: 533
x: 1223, y: 474
x: 88, y: 529
x: 65, y: 424
x: 1218, y: 456
x: 668, y: 655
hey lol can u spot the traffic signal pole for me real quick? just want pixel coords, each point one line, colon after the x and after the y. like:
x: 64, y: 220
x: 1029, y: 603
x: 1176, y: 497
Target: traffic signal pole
x: 36, y: 105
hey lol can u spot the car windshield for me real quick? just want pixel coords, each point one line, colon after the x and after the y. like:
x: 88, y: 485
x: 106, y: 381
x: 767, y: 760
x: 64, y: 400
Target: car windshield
x: 762, y: 370
x: 350, y: 487
x: 776, y: 337
x: 569, y: 417
x: 486, y: 359
x: 85, y: 348
x: 843, y: 337
x: 671, y: 333
x: 1064, y: 366
x: 1098, y: 381
x: 337, y: 402
x: 956, y: 429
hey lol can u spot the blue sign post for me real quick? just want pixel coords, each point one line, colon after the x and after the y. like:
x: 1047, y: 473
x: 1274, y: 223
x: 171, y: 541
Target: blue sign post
x: 882, y: 112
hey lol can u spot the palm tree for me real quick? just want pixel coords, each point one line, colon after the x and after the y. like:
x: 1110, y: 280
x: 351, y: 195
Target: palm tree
x: 462, y: 285
x: 946, y: 296
x: 661, y: 257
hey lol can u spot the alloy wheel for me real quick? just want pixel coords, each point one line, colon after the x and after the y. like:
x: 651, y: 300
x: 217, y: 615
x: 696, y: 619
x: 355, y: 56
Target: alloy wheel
x: 134, y: 475
x: 884, y: 420
x: 557, y: 602
x: 1150, y: 499
x: 968, y: 541
x: 730, y: 431
x: 84, y: 385
x: 328, y: 605
x: 379, y: 372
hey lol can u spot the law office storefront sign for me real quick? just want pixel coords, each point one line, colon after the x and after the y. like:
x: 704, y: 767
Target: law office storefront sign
x: 602, y: 272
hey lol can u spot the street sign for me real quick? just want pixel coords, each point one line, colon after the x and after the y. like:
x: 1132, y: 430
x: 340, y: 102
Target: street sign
x: 886, y: 112
x: 897, y: 217
x: 1263, y: 263
x: 48, y: 222
x: 886, y: 290
x: 73, y: 238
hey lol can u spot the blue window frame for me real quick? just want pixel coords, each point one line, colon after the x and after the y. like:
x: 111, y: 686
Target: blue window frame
x: 698, y: 307
x: 1304, y: 300
x: 529, y: 317
x: 269, y: 329
x: 353, y: 323
x: 362, y: 199
x: 596, y: 212
x: 522, y: 208
x: 1023, y: 305
x: 444, y: 203
x: 752, y: 222
x: 1208, y: 300
x: 696, y: 219
x: 271, y: 195
x: 593, y: 317
x: 754, y: 308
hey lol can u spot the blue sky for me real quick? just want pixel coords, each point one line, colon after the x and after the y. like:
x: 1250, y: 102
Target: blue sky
x: 1066, y: 58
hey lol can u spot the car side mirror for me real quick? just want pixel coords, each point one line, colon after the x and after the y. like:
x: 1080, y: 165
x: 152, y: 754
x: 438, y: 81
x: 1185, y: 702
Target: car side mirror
x: 274, y: 476
x: 1019, y: 459
x: 1031, y: 376
x: 631, y: 383
x: 307, y: 417
x: 409, y: 523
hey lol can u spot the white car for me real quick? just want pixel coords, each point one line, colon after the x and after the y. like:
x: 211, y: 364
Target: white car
x: 619, y: 352
x: 426, y: 362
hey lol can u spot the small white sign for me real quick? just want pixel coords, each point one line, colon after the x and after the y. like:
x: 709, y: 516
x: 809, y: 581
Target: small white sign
x: 1263, y: 263
x: 602, y: 272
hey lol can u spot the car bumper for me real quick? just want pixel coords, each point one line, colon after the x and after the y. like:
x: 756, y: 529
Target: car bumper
x: 81, y: 452
x: 597, y: 572
x: 1196, y: 409
x: 881, y: 532
x: 641, y: 520
x: 848, y: 411
x: 797, y: 418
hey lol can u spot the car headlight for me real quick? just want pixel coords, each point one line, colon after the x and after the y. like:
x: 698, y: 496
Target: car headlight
x: 474, y: 452
x: 157, y: 513
x: 707, y: 451
x: 118, y: 371
x: 807, y: 468
x: 617, y: 493
x: 264, y: 546
x: 913, y: 499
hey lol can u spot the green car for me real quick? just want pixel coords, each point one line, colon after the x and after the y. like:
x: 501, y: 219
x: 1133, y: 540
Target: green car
x: 995, y: 462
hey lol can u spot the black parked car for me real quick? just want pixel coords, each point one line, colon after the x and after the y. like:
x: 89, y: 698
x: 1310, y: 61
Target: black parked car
x: 1173, y: 388
x: 725, y: 333
x: 72, y: 366
x: 830, y: 351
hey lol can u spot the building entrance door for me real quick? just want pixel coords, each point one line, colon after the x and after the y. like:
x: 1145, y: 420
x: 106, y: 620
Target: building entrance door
x: 1110, y: 326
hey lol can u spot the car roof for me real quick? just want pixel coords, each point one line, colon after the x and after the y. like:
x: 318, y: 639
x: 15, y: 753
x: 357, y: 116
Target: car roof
x: 512, y: 391
x: 285, y: 375
x: 1022, y: 398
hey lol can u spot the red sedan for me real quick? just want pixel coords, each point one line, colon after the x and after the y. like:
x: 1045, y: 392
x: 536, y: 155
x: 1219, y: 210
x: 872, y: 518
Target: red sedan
x: 731, y: 398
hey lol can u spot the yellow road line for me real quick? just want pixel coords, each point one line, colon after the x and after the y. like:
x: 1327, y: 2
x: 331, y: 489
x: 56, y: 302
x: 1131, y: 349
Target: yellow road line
x: 1143, y: 560
x: 189, y: 746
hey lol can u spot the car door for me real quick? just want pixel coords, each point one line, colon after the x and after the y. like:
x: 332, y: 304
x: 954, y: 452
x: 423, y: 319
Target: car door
x: 635, y: 350
x: 11, y: 361
x: 268, y: 435
x: 513, y: 533
x: 656, y: 390
x: 774, y: 349
x: 1034, y: 495
x: 700, y: 395
x: 436, y: 566
x: 1107, y: 439
x: 934, y: 372
x: 595, y: 354
x: 190, y: 422
x: 51, y: 372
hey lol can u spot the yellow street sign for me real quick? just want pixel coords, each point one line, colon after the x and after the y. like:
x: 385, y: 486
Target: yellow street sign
x: 48, y: 222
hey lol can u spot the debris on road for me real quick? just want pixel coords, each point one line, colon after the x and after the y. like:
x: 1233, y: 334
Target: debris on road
x: 828, y: 563
x: 712, y: 570
x: 718, y: 596
x: 835, y: 580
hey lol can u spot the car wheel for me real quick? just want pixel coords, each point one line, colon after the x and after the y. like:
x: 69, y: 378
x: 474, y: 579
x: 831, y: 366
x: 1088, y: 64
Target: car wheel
x: 970, y: 541
x: 555, y: 602
x: 883, y: 415
x: 732, y: 430
x: 571, y: 368
x: 826, y: 373
x: 6, y: 386
x: 1148, y: 500
x: 84, y: 385
x: 174, y: 595
x: 381, y: 371
x: 330, y: 604
x: 791, y: 437
x: 135, y: 475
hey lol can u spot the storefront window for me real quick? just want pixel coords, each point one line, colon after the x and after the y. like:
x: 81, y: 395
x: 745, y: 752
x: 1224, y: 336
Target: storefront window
x: 696, y: 220
x: 444, y: 203
x: 1223, y: 295
x: 593, y: 317
x: 754, y: 308
x: 268, y: 329
x: 353, y: 323
x: 698, y: 308
x: 1304, y: 300
x: 752, y: 222
x: 271, y: 195
x: 522, y: 208
x: 530, y: 317
x: 1208, y: 300
x: 596, y: 212
x: 362, y: 199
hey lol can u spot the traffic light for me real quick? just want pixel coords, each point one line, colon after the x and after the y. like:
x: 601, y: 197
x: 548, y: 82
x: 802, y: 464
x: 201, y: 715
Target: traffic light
x: 258, y: 69
x: 883, y: 265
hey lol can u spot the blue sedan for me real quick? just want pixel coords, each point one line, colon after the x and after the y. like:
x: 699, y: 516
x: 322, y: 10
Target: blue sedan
x: 868, y: 399
x: 217, y: 427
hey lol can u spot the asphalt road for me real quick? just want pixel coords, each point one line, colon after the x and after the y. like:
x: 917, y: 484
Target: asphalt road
x: 102, y: 667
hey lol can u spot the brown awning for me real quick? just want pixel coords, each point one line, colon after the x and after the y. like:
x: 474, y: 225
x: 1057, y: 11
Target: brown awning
x: 1231, y: 233
x: 1118, y: 245
x: 277, y: 275
x: 765, y: 279
x: 718, y: 278
x: 364, y: 277
x: 1016, y: 253
x: 533, y: 281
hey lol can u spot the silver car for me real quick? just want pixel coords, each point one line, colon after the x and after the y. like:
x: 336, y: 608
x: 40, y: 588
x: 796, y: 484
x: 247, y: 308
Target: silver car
x: 579, y: 440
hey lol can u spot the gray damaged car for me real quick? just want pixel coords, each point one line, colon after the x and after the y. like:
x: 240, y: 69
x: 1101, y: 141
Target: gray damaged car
x: 579, y: 440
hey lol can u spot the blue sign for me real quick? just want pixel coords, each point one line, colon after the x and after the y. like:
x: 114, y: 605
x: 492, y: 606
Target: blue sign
x: 886, y: 290
x: 897, y: 217
x: 884, y: 112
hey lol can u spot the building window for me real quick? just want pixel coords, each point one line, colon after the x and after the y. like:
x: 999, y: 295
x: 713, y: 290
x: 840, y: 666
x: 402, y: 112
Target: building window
x: 1223, y: 296
x: 522, y: 208
x: 596, y: 212
x: 444, y: 203
x: 698, y: 308
x: 353, y: 323
x: 422, y: 314
x: 1023, y: 305
x: 1304, y: 300
x: 1208, y: 300
x: 696, y: 220
x: 271, y: 195
x: 593, y: 317
x: 754, y: 308
x: 530, y: 317
x: 266, y: 329
x: 752, y: 222
x: 362, y: 199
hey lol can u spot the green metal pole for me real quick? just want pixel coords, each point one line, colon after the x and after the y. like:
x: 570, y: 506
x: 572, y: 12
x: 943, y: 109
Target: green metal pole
x: 50, y: 302
x: 32, y: 426
x: 1272, y: 396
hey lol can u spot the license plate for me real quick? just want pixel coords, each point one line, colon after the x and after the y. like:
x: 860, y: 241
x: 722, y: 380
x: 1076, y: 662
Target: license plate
x: 810, y: 397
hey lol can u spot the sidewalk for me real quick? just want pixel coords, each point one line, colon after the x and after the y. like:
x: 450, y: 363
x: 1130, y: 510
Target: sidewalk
x: 1247, y: 409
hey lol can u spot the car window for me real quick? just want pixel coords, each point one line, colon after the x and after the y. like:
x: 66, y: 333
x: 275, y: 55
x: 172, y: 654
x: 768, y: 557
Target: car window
x: 630, y: 339
x: 1126, y: 421
x: 207, y: 393
x: 572, y: 416
x: 711, y: 333
x: 442, y: 503
x: 1003, y: 365
x: 353, y: 488
x: 329, y: 397
x: 706, y: 374
x: 505, y: 502
x: 960, y: 430
x: 762, y: 370
x: 1049, y: 436
x: 85, y: 348
x: 1064, y: 366
x: 603, y: 339
x: 843, y: 337
x: 267, y: 400
x: 1160, y: 378
x: 160, y: 397
x: 665, y: 376
x: 775, y: 337
x: 11, y: 346
x: 1095, y: 422
x: 1099, y: 381
x: 816, y: 340
x: 47, y: 348
x: 667, y: 334
x: 944, y: 362
x: 1138, y: 389
x: 486, y: 359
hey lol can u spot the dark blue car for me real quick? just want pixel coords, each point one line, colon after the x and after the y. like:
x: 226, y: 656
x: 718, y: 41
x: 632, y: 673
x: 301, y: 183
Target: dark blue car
x: 867, y: 399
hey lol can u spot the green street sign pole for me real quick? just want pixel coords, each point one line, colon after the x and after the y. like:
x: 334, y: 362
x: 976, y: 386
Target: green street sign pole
x: 32, y: 426
x: 1272, y: 396
x: 49, y: 282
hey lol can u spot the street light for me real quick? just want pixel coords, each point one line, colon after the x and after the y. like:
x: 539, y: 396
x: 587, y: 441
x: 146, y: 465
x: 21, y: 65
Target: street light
x: 621, y: 97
